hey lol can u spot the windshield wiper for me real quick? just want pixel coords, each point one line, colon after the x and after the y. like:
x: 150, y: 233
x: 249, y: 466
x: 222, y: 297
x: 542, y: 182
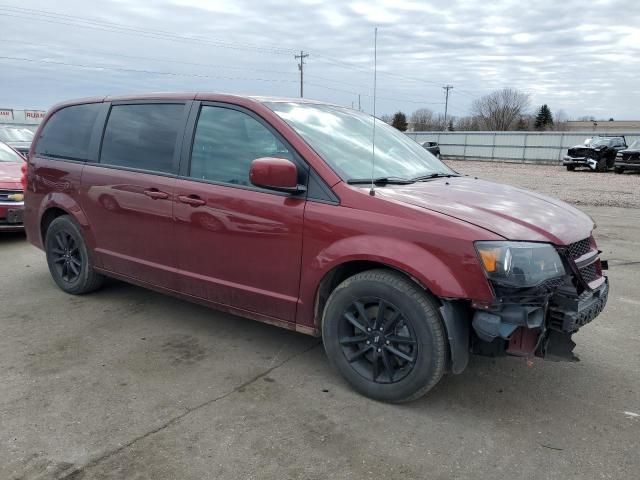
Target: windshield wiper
x: 380, y: 181
x: 422, y: 178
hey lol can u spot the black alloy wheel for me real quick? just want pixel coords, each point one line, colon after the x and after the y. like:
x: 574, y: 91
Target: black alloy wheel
x: 377, y: 341
x: 385, y: 335
x: 66, y: 257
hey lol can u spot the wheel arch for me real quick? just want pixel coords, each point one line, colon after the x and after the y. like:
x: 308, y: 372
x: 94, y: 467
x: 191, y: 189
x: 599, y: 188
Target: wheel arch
x: 57, y: 204
x: 346, y: 269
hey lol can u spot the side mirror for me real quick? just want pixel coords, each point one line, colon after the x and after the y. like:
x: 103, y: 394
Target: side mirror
x: 276, y: 174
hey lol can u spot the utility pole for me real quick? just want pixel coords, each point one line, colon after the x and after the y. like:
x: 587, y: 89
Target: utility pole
x: 302, y: 56
x: 446, y: 88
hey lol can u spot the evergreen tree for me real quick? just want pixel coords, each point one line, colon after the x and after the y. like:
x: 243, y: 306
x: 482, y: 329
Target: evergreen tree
x: 400, y: 121
x: 544, y: 119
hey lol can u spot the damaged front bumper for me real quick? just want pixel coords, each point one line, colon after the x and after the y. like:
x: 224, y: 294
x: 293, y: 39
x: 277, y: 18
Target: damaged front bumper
x: 542, y: 325
x: 540, y: 321
x: 580, y: 162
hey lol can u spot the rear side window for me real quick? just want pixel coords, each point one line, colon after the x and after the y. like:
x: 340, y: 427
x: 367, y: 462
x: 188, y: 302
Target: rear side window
x: 67, y: 133
x: 143, y: 137
x: 227, y: 141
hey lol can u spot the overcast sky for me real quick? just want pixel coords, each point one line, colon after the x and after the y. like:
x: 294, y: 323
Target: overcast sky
x: 581, y: 57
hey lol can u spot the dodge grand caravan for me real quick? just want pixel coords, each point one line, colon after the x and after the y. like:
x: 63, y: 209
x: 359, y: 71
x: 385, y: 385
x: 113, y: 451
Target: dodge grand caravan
x: 278, y: 210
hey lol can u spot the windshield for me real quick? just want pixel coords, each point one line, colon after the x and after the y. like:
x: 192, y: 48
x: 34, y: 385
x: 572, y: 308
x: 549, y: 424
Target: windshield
x: 600, y: 141
x: 635, y: 145
x: 8, y: 155
x: 15, y: 134
x: 343, y: 138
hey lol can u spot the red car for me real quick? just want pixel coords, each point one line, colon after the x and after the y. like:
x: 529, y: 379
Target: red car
x: 279, y: 210
x: 12, y: 167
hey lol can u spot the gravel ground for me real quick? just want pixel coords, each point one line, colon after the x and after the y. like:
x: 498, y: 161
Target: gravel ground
x: 581, y: 187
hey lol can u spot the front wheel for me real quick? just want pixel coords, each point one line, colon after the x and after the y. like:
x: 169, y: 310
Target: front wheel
x: 571, y: 168
x: 385, y: 336
x: 601, y: 166
x: 619, y: 170
x: 68, y: 258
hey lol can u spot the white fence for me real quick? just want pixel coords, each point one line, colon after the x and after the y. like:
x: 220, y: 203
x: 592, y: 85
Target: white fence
x: 535, y: 147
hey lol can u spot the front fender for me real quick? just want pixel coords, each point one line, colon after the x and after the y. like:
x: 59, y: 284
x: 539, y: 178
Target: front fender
x: 429, y: 270
x: 455, y: 274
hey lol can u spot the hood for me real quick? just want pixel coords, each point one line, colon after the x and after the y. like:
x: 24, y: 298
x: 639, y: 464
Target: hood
x: 10, y: 175
x: 511, y: 212
x: 22, y: 147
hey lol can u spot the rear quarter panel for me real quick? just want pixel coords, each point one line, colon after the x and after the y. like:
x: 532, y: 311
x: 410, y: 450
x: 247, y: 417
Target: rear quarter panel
x: 53, y: 184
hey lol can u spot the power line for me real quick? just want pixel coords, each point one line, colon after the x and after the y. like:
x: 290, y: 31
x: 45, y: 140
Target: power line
x: 153, y: 59
x: 135, y: 70
x: 73, y: 21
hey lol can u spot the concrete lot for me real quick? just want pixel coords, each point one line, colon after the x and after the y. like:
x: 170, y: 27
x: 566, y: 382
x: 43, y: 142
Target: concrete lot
x: 129, y: 384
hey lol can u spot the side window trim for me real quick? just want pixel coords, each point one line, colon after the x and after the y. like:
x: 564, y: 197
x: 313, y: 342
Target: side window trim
x: 180, y: 137
x: 187, y: 148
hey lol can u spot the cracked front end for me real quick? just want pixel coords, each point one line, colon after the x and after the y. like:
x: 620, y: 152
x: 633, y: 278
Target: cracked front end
x: 543, y: 294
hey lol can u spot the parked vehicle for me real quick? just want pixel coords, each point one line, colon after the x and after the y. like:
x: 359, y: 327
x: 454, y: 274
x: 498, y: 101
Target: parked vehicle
x: 599, y: 154
x: 433, y: 148
x: 19, y: 138
x: 629, y: 158
x: 12, y: 167
x: 264, y: 208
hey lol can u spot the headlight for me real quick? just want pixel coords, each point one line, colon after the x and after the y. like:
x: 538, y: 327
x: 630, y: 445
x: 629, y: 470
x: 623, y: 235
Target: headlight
x: 519, y: 264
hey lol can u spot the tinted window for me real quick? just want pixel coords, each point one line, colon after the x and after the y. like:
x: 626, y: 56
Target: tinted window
x: 143, y: 136
x: 67, y: 134
x: 227, y: 141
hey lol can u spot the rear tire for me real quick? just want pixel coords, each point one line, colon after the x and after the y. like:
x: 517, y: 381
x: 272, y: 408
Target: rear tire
x: 395, y: 356
x: 68, y: 258
x: 571, y: 168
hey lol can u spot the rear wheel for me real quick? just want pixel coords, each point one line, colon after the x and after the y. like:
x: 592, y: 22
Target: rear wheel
x: 68, y: 258
x: 571, y: 168
x: 385, y: 336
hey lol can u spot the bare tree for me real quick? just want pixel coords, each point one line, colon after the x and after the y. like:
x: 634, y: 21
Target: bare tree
x: 468, y: 124
x: 561, y: 121
x: 424, y: 120
x: 501, y: 109
x: 387, y: 118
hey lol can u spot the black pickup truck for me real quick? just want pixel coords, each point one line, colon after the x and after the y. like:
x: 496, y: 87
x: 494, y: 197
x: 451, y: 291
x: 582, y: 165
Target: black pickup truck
x: 628, y: 159
x: 599, y: 154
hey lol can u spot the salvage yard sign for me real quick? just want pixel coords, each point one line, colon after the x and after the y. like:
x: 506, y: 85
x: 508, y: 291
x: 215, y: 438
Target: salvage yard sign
x: 6, y: 115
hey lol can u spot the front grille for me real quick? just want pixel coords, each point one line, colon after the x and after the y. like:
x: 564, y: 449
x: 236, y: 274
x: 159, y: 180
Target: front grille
x: 631, y: 158
x: 589, y: 273
x: 578, y: 249
x: 4, y: 194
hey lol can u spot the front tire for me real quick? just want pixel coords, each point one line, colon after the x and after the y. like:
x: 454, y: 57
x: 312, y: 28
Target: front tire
x: 571, y: 168
x: 619, y: 170
x: 68, y: 258
x: 601, y: 166
x: 385, y: 336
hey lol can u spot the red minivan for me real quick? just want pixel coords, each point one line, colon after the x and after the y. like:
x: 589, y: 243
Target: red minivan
x: 282, y: 210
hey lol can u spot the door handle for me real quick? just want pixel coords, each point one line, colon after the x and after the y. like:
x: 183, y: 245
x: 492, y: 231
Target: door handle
x: 156, y: 194
x: 192, y: 200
